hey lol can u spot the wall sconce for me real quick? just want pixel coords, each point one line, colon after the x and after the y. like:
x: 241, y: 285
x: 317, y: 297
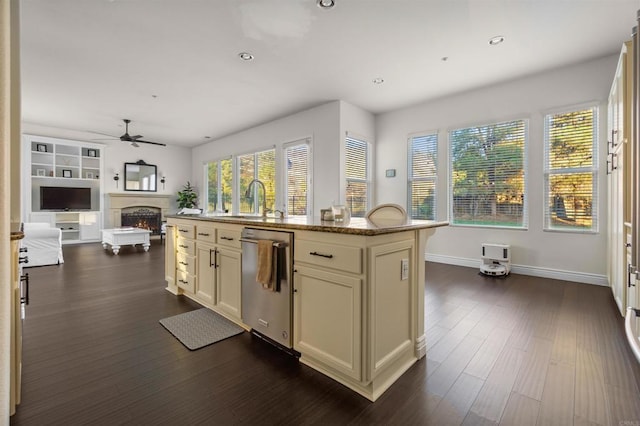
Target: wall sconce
x: 116, y: 178
x: 162, y: 181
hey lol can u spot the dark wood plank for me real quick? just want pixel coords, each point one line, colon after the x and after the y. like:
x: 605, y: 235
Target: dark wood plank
x: 94, y: 353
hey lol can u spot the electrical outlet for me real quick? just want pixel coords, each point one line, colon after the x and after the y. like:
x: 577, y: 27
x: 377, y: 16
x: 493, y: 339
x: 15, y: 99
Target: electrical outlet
x: 404, y: 274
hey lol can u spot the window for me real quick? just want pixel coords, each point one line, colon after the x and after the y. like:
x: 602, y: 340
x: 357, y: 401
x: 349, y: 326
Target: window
x: 357, y: 174
x: 423, y: 154
x: 259, y: 165
x: 488, y: 175
x: 219, y: 186
x: 297, y: 184
x: 571, y: 173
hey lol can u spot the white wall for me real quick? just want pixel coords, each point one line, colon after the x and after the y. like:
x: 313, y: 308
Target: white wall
x: 173, y: 163
x: 580, y: 257
x: 320, y: 123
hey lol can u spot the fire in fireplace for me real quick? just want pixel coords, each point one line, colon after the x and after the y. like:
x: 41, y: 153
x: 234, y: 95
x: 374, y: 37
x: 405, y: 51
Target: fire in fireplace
x: 142, y: 217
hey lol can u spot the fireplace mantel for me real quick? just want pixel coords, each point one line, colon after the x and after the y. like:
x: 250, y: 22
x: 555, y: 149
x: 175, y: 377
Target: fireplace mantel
x: 117, y: 201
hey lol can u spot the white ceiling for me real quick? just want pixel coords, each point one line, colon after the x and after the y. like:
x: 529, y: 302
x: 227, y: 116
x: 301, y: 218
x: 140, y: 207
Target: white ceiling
x: 172, y: 66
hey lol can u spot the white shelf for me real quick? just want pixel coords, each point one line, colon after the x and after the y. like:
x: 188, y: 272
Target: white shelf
x: 44, y: 159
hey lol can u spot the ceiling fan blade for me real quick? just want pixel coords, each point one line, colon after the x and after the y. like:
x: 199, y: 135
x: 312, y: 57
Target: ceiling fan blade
x: 135, y: 137
x: 103, y: 134
x: 152, y: 143
x: 134, y: 144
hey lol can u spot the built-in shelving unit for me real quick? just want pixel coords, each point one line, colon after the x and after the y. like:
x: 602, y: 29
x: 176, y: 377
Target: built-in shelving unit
x: 67, y: 163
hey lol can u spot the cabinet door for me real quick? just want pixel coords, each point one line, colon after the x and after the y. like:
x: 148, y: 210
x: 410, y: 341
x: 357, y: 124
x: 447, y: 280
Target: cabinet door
x: 90, y: 226
x: 229, y: 280
x: 170, y: 258
x: 206, y: 273
x: 327, y: 319
x: 390, y: 301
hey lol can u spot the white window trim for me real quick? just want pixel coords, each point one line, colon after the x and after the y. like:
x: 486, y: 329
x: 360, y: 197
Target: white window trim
x: 525, y: 167
x: 410, y: 178
x: 205, y: 167
x: 236, y: 176
x: 595, y: 168
x: 343, y: 168
x: 283, y: 174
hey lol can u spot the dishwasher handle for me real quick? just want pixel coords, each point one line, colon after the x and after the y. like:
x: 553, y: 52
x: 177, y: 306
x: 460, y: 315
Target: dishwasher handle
x: 277, y: 244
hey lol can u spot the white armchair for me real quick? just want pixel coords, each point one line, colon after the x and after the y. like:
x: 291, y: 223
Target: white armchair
x: 43, y: 243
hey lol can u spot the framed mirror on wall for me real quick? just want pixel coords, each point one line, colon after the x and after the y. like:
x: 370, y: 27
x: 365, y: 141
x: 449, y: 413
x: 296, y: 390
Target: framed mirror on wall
x: 140, y: 176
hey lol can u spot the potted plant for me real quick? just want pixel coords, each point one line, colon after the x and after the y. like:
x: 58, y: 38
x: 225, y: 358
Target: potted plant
x: 187, y: 198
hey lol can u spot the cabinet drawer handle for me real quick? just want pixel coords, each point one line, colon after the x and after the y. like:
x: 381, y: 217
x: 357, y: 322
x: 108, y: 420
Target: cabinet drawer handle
x: 315, y: 253
x: 183, y: 246
x: 183, y: 263
x: 226, y: 238
x: 203, y: 234
x: 183, y: 281
x: 183, y: 230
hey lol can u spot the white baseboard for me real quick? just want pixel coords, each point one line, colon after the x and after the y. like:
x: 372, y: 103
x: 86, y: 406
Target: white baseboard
x: 534, y: 271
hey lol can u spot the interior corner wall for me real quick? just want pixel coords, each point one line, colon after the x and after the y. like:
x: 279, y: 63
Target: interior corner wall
x: 360, y: 122
x: 321, y: 123
x: 529, y: 98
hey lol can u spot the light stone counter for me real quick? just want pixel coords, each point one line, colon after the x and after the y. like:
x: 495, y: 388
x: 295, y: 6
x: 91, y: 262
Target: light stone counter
x: 355, y: 226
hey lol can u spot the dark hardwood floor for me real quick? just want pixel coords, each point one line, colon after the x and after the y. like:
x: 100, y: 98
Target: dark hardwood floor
x: 514, y: 351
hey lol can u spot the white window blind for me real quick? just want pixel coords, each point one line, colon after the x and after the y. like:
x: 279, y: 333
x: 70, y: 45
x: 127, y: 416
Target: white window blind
x: 423, y: 155
x: 297, y: 157
x: 488, y: 175
x: 571, y: 172
x: 260, y: 165
x: 357, y: 176
x: 219, y: 185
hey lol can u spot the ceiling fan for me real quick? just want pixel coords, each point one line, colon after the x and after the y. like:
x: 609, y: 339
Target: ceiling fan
x: 134, y: 140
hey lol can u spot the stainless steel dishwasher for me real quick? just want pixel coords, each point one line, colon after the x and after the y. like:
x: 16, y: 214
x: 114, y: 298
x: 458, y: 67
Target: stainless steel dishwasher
x: 268, y: 312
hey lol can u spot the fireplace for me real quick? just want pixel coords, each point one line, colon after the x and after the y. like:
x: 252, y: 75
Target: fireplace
x: 121, y: 204
x: 142, y: 217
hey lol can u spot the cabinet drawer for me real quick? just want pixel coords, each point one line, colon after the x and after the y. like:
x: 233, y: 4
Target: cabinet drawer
x: 205, y: 233
x: 186, y: 246
x: 186, y: 281
x: 186, y: 231
x: 186, y: 263
x: 229, y: 238
x: 345, y: 258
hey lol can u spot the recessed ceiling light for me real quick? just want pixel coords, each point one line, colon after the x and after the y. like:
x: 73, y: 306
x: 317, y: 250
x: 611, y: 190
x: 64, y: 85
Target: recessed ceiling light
x: 444, y: 58
x: 325, y: 4
x: 378, y: 80
x: 245, y: 56
x: 496, y: 40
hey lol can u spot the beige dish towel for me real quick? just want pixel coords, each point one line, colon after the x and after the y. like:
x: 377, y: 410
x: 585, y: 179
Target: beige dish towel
x: 265, y: 264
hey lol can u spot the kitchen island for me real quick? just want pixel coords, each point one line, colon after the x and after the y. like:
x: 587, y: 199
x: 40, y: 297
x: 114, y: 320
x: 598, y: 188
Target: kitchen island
x: 358, y: 288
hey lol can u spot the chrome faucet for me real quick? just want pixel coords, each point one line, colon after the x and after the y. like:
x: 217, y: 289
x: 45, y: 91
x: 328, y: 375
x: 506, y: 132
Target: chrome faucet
x: 264, y: 191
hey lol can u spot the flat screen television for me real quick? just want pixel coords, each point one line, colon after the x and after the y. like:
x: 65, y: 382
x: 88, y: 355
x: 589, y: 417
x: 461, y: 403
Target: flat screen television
x: 64, y: 198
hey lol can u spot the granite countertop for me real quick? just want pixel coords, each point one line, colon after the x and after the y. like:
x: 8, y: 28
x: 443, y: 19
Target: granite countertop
x: 16, y: 231
x: 355, y: 226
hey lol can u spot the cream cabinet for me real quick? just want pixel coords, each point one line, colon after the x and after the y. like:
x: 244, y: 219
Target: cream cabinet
x: 354, y: 306
x: 358, y: 298
x: 228, y: 282
x: 205, y: 264
x: 170, y: 259
x: 186, y: 258
x: 328, y: 319
x: 619, y: 176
